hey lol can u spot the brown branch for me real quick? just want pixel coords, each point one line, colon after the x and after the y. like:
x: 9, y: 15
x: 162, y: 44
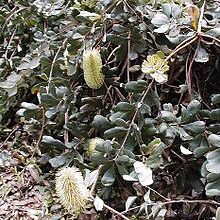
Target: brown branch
x: 11, y: 133
x: 189, y: 71
x: 115, y: 212
x: 41, y: 133
x: 9, y: 17
x: 182, y: 47
x: 53, y: 63
x: 133, y: 119
x: 66, y: 134
x: 128, y: 56
x: 199, y: 29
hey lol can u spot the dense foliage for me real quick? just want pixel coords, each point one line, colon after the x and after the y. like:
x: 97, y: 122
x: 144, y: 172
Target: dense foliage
x: 147, y: 137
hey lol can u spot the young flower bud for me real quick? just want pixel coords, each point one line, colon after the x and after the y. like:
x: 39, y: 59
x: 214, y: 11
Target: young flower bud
x: 92, y: 145
x: 71, y: 189
x: 92, y: 67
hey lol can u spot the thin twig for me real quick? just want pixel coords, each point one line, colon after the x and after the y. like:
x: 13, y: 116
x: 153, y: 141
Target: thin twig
x: 108, y: 93
x: 209, y: 36
x: 131, y: 8
x: 11, y: 133
x: 128, y: 56
x: 131, y: 209
x: 133, y: 119
x: 199, y: 29
x: 180, y: 48
x: 153, y: 190
x: 211, y: 202
x: 41, y: 133
x: 185, y: 41
x: 115, y: 212
x: 109, y: 208
x: 113, y: 51
x: 189, y: 71
x: 9, y: 43
x: 54, y: 61
x: 9, y: 17
x: 66, y: 134
x: 96, y: 180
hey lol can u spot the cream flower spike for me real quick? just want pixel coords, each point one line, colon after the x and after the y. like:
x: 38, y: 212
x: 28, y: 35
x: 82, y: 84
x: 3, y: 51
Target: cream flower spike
x: 92, y: 67
x: 71, y: 189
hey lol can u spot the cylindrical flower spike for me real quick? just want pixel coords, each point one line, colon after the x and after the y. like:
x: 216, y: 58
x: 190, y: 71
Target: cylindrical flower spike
x: 71, y: 189
x: 92, y: 67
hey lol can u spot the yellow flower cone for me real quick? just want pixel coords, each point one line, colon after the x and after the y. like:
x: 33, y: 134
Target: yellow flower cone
x: 92, y: 67
x: 71, y: 189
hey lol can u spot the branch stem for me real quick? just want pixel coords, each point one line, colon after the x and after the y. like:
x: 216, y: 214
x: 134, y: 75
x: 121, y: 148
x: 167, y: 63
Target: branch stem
x: 133, y: 119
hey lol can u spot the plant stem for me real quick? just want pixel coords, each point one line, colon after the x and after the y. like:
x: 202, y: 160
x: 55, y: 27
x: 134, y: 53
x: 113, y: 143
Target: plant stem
x: 182, y: 47
x: 9, y: 17
x: 66, y: 134
x: 209, y: 36
x: 53, y: 63
x: 199, y: 29
x: 41, y: 133
x: 128, y: 56
x: 115, y: 212
x: 133, y: 119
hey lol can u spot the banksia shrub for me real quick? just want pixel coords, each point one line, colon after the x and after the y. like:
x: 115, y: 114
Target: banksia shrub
x: 92, y: 67
x: 71, y: 189
x: 156, y: 66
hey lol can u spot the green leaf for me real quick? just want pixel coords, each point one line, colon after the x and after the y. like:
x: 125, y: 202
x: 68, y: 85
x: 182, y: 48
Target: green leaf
x: 51, y: 142
x: 199, y: 145
x: 214, y: 140
x: 122, y: 159
x: 202, y: 55
x: 11, y: 83
x: 168, y: 116
x: 115, y: 132
x: 118, y: 28
x: 133, y: 86
x: 29, y: 106
x: 129, y: 202
x: 105, y: 2
x: 192, y: 109
x: 101, y: 123
x: 215, y: 114
x: 216, y: 99
x: 120, y: 122
x: 49, y: 100
x: 29, y: 64
x: 213, y: 188
x: 123, y: 107
x: 215, y: 32
x: 108, y: 177
x: 144, y: 173
x: 214, y: 128
x: 183, y: 134
x: 58, y: 160
x: 213, y: 159
x: 160, y: 19
x: 98, y: 203
x: 121, y: 169
x: 91, y: 15
x: 195, y: 127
